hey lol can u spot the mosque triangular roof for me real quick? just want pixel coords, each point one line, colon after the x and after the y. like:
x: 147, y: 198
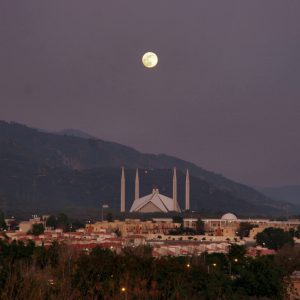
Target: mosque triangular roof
x: 163, y: 203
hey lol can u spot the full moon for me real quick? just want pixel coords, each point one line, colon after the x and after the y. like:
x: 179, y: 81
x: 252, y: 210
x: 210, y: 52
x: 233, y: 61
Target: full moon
x: 150, y: 60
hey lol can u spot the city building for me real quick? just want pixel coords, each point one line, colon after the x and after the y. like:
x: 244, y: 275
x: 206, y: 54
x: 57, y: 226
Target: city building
x: 228, y: 225
x: 26, y: 226
x: 134, y: 226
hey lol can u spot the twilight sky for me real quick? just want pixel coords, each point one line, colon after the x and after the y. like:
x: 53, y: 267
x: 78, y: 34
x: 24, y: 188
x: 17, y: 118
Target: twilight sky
x: 226, y: 93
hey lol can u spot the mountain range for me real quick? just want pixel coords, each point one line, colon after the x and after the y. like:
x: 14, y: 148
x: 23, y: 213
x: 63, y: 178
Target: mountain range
x: 71, y: 171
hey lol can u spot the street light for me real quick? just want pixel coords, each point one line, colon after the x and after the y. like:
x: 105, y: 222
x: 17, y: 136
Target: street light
x: 124, y: 291
x: 230, y: 265
x: 103, y: 206
x: 208, y: 267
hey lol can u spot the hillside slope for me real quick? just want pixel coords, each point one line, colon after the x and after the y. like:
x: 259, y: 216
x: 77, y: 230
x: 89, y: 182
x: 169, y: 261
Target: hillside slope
x: 289, y: 194
x: 45, y: 171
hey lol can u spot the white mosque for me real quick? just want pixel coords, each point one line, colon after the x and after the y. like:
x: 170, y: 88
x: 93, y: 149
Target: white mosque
x: 155, y: 202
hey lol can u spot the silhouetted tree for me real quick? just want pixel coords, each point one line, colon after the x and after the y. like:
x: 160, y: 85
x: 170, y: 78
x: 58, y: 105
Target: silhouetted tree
x: 244, y: 229
x: 200, y: 227
x: 3, y: 225
x: 237, y: 251
x: 260, y: 277
x: 51, y: 222
x: 274, y: 238
x: 37, y: 229
x: 63, y: 222
x: 178, y: 219
x: 109, y: 217
x: 76, y: 224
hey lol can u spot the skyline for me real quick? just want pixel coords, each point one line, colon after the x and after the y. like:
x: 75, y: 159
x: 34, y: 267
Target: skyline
x: 225, y: 94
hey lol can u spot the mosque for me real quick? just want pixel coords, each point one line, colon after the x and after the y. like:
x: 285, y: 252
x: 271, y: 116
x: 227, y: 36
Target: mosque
x: 155, y: 202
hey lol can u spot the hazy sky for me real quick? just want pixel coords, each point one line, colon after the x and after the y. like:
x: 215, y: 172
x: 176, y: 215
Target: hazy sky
x: 226, y: 93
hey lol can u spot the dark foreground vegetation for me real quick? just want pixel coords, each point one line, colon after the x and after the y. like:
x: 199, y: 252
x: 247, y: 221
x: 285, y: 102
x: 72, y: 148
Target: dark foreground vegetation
x: 60, y: 272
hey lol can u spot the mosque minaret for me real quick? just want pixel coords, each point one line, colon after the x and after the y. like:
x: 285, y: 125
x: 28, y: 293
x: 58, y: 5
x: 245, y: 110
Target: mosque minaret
x: 123, y: 191
x: 187, y: 190
x: 137, y: 185
x: 175, y: 208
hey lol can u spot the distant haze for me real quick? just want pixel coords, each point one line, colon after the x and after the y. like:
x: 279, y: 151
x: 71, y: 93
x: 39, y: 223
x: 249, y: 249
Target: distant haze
x: 225, y: 95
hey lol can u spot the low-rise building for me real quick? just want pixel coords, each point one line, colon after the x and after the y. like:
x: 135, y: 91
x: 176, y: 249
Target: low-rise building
x: 26, y: 226
x: 134, y: 226
x: 228, y: 225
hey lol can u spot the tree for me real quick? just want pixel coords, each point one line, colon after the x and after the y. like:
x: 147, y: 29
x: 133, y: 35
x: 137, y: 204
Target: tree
x: 51, y: 222
x: 63, y: 222
x: 37, y: 229
x: 274, y: 238
x: 178, y: 219
x: 183, y: 231
x: 76, y: 224
x: 109, y: 217
x: 216, y: 261
x: 53, y: 253
x: 244, y: 229
x: 3, y: 225
x: 237, y: 252
x: 295, y: 232
x: 200, y: 227
x: 118, y: 232
x: 288, y: 259
x: 236, y: 258
x: 41, y: 256
x: 60, y: 272
x: 260, y: 277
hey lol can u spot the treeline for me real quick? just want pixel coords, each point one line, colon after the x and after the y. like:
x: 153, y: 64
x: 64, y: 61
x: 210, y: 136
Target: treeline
x: 60, y: 272
x: 62, y: 221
